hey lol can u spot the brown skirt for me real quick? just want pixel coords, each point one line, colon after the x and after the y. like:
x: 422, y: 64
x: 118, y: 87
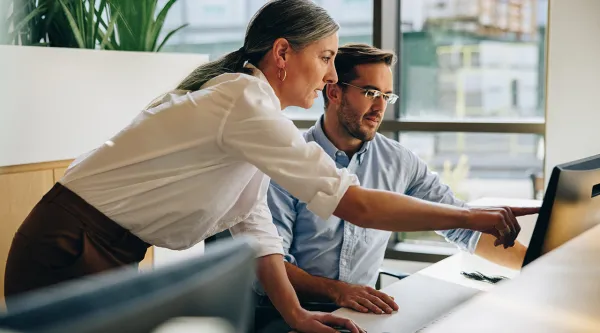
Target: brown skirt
x: 65, y: 238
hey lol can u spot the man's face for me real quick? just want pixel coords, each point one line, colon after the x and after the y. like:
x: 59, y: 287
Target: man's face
x: 359, y: 115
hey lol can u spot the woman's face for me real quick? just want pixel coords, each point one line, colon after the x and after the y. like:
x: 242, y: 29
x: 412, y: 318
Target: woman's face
x: 308, y: 71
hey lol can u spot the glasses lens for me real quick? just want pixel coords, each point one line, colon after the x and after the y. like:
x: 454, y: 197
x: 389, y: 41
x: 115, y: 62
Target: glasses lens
x: 372, y: 94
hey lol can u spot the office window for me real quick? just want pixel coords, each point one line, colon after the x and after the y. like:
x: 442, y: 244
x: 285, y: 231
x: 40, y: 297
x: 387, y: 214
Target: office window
x: 470, y: 78
x: 477, y: 165
x: 217, y: 27
x: 477, y: 62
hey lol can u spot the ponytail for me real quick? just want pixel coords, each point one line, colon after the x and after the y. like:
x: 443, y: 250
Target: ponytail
x: 232, y: 62
x: 300, y: 22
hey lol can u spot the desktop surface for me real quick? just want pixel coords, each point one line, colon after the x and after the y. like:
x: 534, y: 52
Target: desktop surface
x: 440, y: 289
x: 421, y: 299
x: 429, y: 294
x: 559, y: 292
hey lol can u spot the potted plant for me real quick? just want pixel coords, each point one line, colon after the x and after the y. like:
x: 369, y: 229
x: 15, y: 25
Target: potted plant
x: 93, y: 24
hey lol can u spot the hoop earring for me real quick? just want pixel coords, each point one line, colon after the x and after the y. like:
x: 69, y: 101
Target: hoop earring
x: 279, y: 74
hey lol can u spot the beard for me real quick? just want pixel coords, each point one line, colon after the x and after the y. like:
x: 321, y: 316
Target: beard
x: 351, y: 122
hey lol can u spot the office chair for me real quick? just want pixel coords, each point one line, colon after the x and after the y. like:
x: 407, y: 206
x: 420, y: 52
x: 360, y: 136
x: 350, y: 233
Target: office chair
x: 537, y: 184
x: 385, y: 271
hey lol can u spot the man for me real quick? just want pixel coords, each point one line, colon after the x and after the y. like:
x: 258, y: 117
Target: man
x: 338, y: 261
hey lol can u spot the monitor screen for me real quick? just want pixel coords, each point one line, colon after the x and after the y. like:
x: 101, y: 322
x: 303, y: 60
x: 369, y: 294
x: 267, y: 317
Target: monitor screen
x: 571, y: 206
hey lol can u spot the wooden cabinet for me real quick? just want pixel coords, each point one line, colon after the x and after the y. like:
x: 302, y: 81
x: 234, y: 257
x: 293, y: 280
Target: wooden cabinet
x: 19, y: 192
x: 21, y: 187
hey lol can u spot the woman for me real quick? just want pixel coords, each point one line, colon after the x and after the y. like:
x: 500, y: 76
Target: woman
x: 198, y: 161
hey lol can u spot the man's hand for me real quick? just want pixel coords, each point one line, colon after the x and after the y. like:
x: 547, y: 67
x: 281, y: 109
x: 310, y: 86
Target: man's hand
x: 319, y: 322
x: 499, y: 222
x: 362, y: 298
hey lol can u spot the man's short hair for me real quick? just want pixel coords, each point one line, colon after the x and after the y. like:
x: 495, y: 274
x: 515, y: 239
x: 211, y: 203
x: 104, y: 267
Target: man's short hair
x: 351, y: 55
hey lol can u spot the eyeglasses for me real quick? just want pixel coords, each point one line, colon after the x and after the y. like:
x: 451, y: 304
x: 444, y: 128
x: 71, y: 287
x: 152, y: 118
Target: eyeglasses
x: 372, y: 94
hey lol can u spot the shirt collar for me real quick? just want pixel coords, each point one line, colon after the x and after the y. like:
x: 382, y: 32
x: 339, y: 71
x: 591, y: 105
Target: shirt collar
x: 257, y: 72
x: 329, y: 147
x: 322, y: 139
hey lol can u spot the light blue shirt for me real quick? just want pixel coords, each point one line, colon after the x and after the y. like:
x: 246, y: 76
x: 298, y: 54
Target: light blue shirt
x: 339, y: 250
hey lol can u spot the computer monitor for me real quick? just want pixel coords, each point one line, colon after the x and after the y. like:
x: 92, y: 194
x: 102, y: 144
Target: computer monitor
x: 217, y: 284
x: 571, y: 206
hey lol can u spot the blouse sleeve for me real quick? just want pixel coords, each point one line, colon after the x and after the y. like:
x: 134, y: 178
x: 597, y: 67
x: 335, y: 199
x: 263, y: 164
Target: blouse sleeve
x: 256, y: 131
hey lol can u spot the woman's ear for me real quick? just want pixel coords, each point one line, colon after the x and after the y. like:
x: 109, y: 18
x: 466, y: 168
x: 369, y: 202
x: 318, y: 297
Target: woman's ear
x: 281, y: 48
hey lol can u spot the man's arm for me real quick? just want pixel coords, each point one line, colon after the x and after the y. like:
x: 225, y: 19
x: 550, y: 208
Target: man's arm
x: 426, y: 185
x: 511, y: 257
x: 283, y: 212
x: 357, y: 297
x: 361, y: 298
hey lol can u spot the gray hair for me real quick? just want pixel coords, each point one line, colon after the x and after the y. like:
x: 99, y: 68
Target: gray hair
x: 300, y: 22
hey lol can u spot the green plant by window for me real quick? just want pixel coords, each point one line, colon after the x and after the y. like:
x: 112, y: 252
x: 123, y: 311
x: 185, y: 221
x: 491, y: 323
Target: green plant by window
x: 83, y: 19
x: 128, y: 25
x: 138, y: 27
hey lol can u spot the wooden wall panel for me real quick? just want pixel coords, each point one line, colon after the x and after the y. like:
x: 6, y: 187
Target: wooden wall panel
x: 58, y: 173
x: 19, y: 192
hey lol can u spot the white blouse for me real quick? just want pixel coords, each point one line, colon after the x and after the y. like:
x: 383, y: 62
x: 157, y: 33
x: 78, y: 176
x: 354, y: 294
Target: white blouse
x: 197, y: 163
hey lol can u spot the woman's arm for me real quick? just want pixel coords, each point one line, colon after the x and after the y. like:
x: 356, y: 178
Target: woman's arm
x: 256, y: 131
x: 397, y: 212
x: 273, y: 277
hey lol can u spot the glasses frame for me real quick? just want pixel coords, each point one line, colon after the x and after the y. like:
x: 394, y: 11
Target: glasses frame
x: 388, y: 98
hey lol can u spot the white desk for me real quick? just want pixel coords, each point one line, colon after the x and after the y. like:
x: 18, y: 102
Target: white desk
x: 559, y: 292
x: 448, y: 270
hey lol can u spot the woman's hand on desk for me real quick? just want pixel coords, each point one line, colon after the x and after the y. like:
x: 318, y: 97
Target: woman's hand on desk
x: 500, y: 222
x: 362, y: 298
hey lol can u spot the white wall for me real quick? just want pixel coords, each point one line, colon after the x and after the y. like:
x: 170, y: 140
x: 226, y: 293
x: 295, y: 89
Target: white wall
x: 57, y: 103
x: 573, y: 88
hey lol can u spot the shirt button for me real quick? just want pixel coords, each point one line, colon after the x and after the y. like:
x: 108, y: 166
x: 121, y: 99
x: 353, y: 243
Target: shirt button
x: 339, y: 153
x: 343, y: 262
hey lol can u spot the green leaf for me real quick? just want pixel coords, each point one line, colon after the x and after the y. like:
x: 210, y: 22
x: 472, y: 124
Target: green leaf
x: 169, y: 36
x: 73, y: 25
x: 91, y: 24
x: 109, y: 31
x: 160, y: 21
x: 79, y: 16
x: 126, y: 35
x: 99, y: 19
x: 150, y: 39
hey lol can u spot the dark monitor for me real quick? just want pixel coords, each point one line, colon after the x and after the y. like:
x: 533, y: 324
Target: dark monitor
x: 571, y: 206
x: 216, y: 284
